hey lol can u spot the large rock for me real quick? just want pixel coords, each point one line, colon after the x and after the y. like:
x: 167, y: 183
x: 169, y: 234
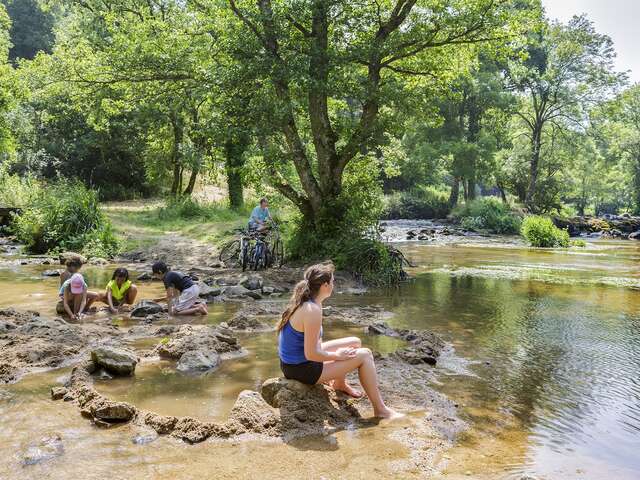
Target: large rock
x: 64, y: 256
x: 252, y: 282
x: 251, y: 414
x: 198, y: 361
x: 208, y: 292
x: 190, y: 338
x: 115, y: 360
x: 236, y: 291
x: 634, y: 235
x: 112, y: 412
x: 146, y: 307
x: 248, y: 323
x: 307, y: 409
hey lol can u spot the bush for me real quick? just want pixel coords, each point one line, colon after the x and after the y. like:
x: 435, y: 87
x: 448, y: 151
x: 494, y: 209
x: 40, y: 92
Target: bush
x: 17, y: 191
x: 66, y: 216
x: 416, y: 204
x: 541, y: 232
x: 487, y: 214
x: 578, y: 243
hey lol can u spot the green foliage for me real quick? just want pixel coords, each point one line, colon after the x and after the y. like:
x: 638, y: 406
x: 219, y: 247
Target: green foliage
x: 425, y: 202
x: 31, y: 28
x: 66, y: 216
x: 17, y: 191
x: 541, y: 232
x: 487, y: 214
x: 578, y: 243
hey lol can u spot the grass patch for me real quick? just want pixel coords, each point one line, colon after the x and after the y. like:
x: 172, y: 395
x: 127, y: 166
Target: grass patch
x: 142, y: 222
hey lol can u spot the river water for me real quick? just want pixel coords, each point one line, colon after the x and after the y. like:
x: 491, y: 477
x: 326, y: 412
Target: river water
x: 545, y: 368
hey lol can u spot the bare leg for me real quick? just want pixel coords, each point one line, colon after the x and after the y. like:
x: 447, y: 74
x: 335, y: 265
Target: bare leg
x: 91, y: 297
x: 341, y: 384
x: 76, y: 301
x: 363, y: 361
x: 102, y: 298
x: 130, y: 297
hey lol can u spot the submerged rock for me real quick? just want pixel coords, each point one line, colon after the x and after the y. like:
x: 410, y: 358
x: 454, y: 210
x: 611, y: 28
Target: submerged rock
x: 115, y: 359
x: 44, y: 450
x: 198, y: 361
x: 51, y: 273
x: 146, y: 307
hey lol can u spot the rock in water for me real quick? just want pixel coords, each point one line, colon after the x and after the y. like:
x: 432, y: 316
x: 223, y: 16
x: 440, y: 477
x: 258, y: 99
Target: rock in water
x: 634, y: 235
x: 112, y: 412
x: 146, y: 307
x: 51, y: 273
x: 236, y: 291
x: 254, y: 282
x: 115, y: 360
x: 198, y: 361
x: 46, y: 449
x: 252, y: 414
x: 144, y: 277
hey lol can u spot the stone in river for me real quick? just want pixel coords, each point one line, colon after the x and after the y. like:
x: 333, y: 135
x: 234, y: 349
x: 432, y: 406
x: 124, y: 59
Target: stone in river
x: 51, y: 273
x: 115, y: 360
x: 198, y: 361
x: 146, y: 307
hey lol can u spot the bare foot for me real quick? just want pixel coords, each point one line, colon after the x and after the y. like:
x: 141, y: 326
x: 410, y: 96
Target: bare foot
x: 389, y: 414
x: 347, y: 389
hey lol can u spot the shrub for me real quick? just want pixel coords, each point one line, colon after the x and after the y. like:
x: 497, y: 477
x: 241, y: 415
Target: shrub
x: 487, y: 214
x: 541, y: 232
x: 66, y: 216
x: 578, y: 243
x: 416, y: 204
x: 17, y: 191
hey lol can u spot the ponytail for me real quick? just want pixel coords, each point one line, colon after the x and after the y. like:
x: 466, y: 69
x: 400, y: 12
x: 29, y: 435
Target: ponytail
x: 306, y: 289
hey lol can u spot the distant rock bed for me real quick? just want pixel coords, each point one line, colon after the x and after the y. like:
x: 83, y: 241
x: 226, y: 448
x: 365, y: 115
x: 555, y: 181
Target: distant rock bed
x: 612, y: 226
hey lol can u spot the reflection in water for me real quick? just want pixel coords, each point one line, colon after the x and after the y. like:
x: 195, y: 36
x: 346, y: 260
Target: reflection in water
x: 551, y: 384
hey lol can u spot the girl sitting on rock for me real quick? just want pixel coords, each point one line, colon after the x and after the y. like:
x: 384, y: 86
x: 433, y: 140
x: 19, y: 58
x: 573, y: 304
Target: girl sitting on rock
x: 182, y: 294
x: 120, y: 291
x: 306, y: 358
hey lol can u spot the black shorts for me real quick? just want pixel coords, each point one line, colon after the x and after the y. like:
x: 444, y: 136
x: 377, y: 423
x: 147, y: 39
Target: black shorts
x: 306, y: 372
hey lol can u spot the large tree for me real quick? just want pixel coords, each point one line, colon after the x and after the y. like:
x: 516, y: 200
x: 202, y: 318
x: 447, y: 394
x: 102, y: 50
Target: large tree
x: 334, y: 72
x: 568, y: 69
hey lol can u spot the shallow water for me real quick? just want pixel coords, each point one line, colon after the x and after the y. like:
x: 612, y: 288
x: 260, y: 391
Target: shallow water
x: 546, y: 370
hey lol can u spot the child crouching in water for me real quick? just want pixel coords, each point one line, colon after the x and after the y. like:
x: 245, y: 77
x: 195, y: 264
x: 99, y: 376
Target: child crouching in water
x: 182, y: 294
x: 74, y: 301
x: 120, y: 291
x: 74, y: 297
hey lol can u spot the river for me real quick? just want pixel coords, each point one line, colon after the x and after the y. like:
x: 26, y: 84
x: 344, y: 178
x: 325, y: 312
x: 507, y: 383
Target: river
x: 545, y: 369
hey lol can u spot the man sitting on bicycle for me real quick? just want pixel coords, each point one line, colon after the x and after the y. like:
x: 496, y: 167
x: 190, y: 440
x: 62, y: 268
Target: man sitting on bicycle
x: 259, y: 217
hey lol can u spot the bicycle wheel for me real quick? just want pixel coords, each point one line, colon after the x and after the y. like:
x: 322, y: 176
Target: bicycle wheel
x: 244, y: 254
x: 229, y: 252
x: 277, y: 253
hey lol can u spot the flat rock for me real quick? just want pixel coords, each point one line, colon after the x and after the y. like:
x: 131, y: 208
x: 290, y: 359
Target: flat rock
x: 51, y: 273
x: 198, y: 361
x: 252, y: 282
x: 115, y: 359
x: 144, y: 277
x: 191, y: 338
x: 146, y: 307
x: 236, y: 291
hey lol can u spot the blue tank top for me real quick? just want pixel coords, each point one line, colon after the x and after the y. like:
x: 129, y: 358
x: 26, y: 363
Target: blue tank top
x: 291, y: 345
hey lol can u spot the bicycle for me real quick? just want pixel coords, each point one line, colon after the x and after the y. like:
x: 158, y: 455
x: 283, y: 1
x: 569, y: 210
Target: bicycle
x: 236, y: 252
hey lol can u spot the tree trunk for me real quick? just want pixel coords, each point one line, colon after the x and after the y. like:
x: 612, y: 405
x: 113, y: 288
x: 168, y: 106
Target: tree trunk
x: 503, y: 195
x: 178, y: 133
x: 234, y: 162
x: 471, y: 189
x: 536, y: 142
x: 455, y: 192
